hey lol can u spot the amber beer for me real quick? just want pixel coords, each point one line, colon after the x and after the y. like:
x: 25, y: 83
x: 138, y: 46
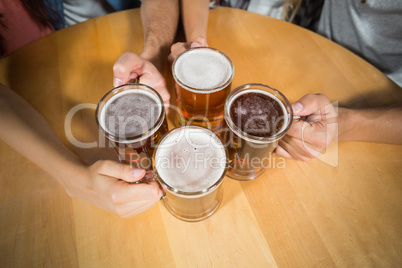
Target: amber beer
x: 132, y: 117
x: 203, y: 78
x: 190, y: 163
x: 257, y: 117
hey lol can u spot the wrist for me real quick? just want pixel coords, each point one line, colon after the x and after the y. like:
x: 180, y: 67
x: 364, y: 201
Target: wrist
x: 156, y: 55
x: 196, y: 36
x: 73, y: 176
x: 350, y: 124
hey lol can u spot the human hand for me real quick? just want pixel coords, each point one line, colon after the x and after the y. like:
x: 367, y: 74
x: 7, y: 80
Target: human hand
x: 179, y: 47
x: 131, y: 66
x: 306, y: 139
x: 106, y: 184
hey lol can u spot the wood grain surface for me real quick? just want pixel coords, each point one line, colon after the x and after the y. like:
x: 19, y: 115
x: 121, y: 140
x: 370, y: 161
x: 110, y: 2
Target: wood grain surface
x: 342, y: 210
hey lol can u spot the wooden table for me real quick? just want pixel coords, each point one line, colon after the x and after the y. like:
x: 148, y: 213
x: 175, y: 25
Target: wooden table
x: 344, y: 210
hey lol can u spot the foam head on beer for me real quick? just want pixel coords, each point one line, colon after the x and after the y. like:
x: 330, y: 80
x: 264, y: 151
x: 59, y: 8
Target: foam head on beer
x: 258, y: 113
x: 203, y: 69
x: 130, y: 113
x: 190, y: 159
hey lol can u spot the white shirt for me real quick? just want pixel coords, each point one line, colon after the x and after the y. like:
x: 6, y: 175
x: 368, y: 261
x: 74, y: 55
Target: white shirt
x: 272, y: 8
x: 372, y: 30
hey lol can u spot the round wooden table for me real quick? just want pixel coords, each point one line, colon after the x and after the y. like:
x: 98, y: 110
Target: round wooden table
x: 344, y: 209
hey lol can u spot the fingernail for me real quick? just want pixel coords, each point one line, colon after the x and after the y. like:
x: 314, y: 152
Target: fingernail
x: 136, y: 172
x: 297, y: 107
x: 117, y: 82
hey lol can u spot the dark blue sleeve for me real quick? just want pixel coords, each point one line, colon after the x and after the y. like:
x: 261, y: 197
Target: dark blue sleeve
x: 54, y: 9
x: 119, y: 5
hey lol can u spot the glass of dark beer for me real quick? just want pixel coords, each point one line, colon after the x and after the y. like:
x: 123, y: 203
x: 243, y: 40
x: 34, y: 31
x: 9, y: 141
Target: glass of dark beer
x: 203, y: 78
x: 132, y: 117
x: 257, y: 117
x: 190, y: 163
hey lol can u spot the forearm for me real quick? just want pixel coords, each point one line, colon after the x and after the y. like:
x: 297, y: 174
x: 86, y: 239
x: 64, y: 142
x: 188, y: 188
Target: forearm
x: 159, y: 21
x: 106, y: 184
x: 25, y: 130
x: 195, y: 18
x: 383, y: 125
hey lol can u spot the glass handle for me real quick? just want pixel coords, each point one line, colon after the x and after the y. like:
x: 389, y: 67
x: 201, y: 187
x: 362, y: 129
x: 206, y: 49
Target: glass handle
x: 297, y: 118
x: 134, y: 81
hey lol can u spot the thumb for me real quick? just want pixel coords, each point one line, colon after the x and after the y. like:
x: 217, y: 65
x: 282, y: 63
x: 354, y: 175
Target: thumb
x: 136, y: 174
x: 120, y: 171
x: 309, y: 104
x: 126, y: 67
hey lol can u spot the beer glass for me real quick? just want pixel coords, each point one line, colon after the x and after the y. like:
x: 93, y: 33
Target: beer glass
x: 203, y: 78
x: 132, y: 117
x: 257, y: 117
x: 190, y: 163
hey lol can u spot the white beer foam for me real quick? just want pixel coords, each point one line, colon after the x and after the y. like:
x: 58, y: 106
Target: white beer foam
x: 137, y: 108
x: 190, y: 159
x: 203, y: 69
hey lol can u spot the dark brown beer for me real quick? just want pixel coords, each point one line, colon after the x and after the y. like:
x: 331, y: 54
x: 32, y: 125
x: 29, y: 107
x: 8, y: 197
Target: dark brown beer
x: 138, y: 154
x: 257, y: 114
x: 256, y: 118
x: 203, y: 79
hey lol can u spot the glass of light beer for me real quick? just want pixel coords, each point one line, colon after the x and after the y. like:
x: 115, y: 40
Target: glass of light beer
x: 257, y: 117
x: 132, y: 117
x: 190, y: 163
x: 203, y: 78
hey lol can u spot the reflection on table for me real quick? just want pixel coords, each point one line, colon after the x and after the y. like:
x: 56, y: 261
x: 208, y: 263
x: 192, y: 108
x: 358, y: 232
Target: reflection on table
x: 343, y: 209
